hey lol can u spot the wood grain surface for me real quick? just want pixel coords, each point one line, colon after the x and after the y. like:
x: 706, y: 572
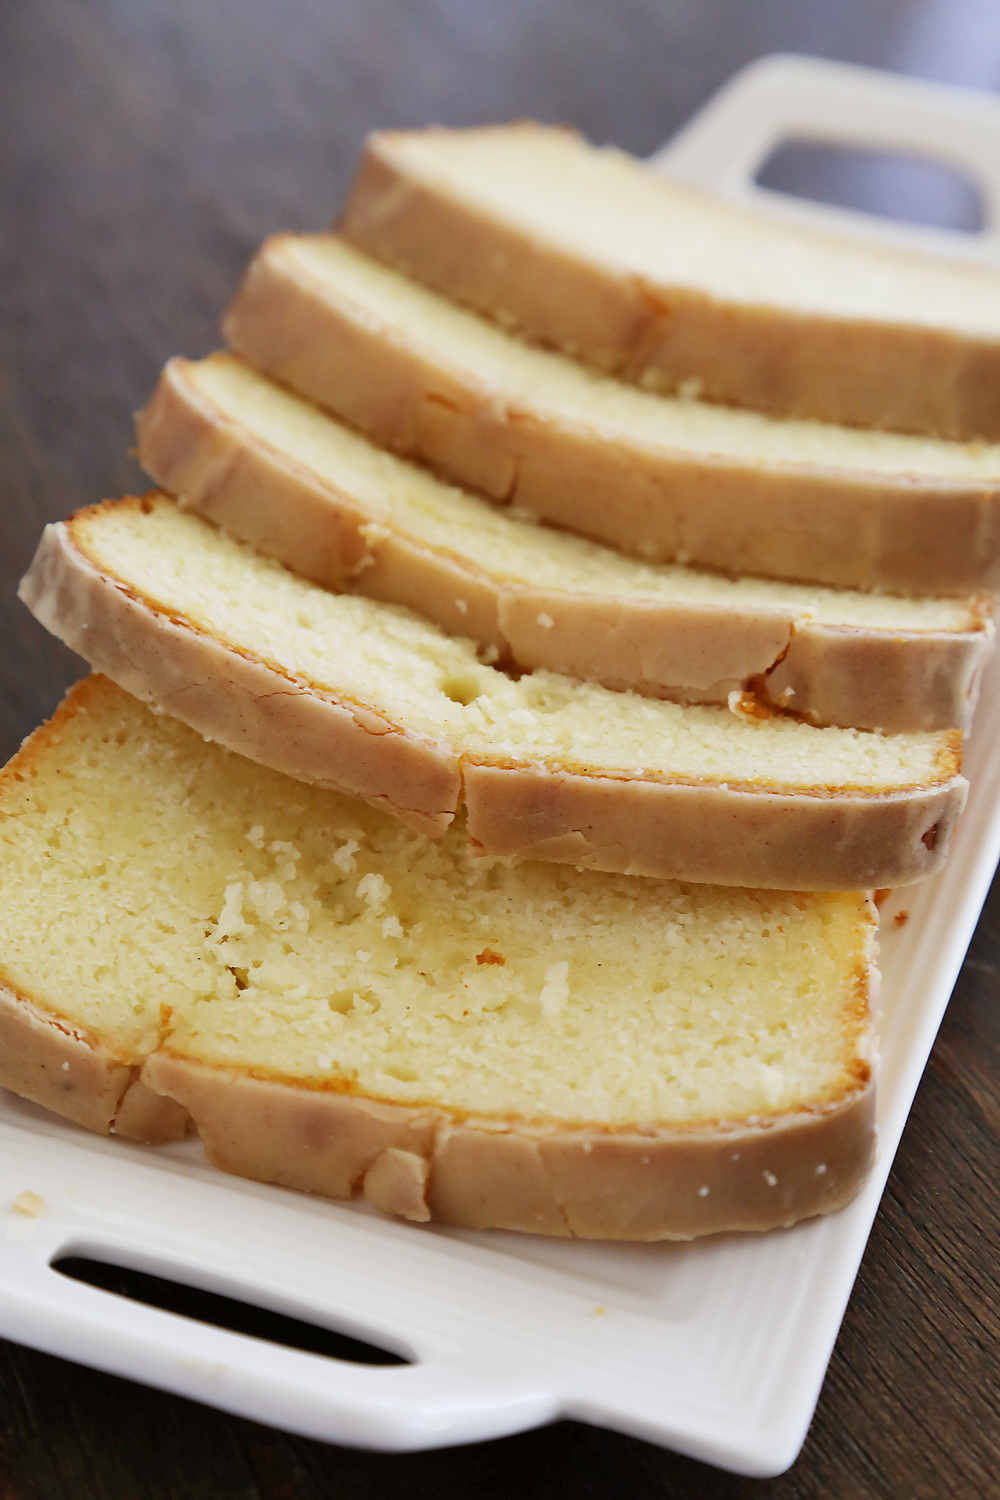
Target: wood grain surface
x: 146, y: 147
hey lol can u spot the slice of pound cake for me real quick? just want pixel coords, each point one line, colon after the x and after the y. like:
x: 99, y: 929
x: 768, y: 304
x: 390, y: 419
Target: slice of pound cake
x: 591, y: 251
x: 340, y: 1004
x: 666, y: 479
x: 344, y: 691
x: 278, y: 473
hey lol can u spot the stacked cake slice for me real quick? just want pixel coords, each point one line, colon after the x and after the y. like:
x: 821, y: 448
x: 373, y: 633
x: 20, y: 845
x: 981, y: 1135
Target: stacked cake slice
x: 345, y: 691
x: 339, y: 1003
x: 662, y: 284
x: 661, y: 477
x: 273, y: 470
x: 511, y: 890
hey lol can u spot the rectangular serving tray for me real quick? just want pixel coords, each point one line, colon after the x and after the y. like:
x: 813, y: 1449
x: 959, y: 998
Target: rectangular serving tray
x: 716, y: 1348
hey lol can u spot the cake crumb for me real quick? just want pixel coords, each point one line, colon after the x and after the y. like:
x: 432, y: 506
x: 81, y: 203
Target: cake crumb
x: 374, y: 890
x: 373, y: 533
x: 901, y: 918
x: 555, y: 988
x: 30, y: 1204
x: 748, y: 708
x: 546, y: 621
x: 600, y: 1311
x: 770, y: 1179
x: 344, y: 856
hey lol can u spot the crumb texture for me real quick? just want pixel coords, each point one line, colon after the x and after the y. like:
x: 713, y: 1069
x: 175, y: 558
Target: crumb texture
x: 161, y: 892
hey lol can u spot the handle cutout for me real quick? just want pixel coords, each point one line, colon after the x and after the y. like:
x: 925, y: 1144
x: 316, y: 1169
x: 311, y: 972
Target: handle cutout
x: 222, y: 1312
x: 883, y: 184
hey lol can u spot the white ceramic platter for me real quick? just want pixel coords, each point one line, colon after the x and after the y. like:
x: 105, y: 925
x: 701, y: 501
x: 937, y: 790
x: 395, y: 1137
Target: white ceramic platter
x: 716, y: 1348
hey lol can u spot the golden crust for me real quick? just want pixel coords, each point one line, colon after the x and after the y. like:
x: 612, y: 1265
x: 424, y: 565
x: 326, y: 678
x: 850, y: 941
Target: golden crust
x: 425, y: 1163
x: 731, y: 836
x: 51, y: 1062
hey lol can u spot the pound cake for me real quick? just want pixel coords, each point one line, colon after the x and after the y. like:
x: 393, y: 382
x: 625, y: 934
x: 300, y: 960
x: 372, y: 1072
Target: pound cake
x: 592, y: 252
x: 337, y: 1003
x: 346, y: 691
x: 666, y: 479
x: 275, y: 471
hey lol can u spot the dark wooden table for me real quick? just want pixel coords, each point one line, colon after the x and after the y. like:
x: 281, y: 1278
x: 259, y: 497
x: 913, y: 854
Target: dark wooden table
x: 145, y: 149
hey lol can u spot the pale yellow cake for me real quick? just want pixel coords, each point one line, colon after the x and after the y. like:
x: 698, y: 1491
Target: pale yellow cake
x: 342, y: 1004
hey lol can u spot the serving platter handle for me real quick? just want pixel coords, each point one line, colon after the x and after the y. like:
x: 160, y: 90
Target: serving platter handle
x: 785, y: 98
x: 445, y: 1396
